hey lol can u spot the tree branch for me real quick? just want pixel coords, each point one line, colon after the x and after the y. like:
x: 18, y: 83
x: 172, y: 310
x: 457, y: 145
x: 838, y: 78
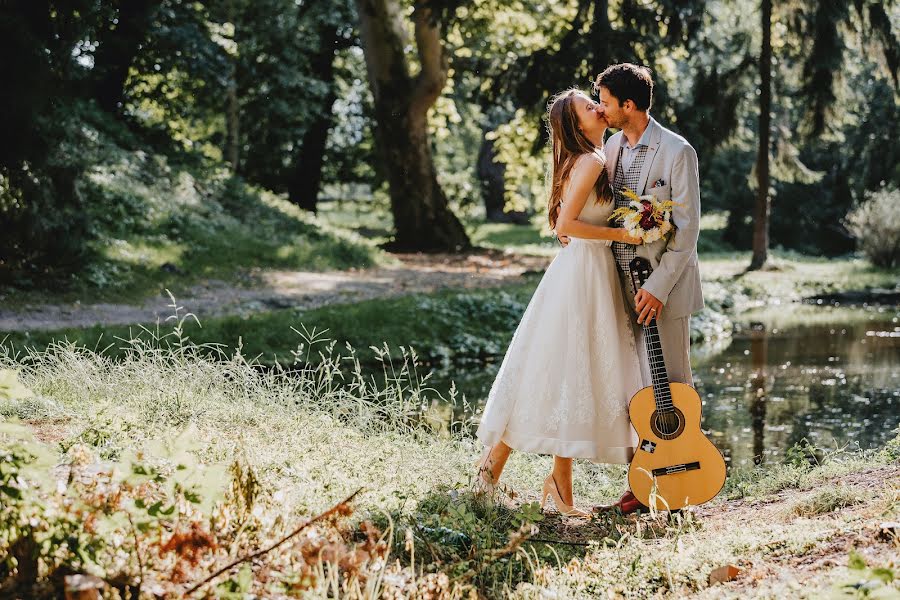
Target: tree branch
x: 881, y: 24
x: 433, y: 75
x: 321, y: 517
x: 381, y: 32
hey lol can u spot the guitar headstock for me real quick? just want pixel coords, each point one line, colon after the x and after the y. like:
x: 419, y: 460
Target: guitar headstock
x: 640, y: 271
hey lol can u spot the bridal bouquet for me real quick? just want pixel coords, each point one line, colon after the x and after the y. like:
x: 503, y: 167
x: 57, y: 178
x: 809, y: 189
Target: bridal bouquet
x: 645, y: 217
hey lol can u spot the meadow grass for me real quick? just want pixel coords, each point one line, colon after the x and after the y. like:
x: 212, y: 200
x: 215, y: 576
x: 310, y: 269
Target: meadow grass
x: 316, y: 432
x: 444, y: 326
x: 826, y: 500
x: 450, y: 325
x: 187, y: 225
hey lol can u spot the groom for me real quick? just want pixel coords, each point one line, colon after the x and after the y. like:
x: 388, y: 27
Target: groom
x: 647, y: 158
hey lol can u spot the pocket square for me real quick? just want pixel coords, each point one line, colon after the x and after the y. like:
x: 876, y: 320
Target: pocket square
x: 658, y: 183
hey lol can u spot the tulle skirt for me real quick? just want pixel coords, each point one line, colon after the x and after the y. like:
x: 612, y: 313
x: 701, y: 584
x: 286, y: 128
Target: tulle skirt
x: 571, y: 368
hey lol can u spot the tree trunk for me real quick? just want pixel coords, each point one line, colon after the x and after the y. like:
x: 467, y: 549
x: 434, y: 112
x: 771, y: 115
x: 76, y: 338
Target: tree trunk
x: 761, y: 211
x: 232, y: 122
x: 422, y: 216
x: 601, y: 27
x: 491, y: 177
x: 232, y: 105
x: 306, y: 180
x: 117, y: 49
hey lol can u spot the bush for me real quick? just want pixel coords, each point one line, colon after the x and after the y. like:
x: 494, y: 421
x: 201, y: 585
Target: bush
x: 876, y: 225
x: 42, y: 210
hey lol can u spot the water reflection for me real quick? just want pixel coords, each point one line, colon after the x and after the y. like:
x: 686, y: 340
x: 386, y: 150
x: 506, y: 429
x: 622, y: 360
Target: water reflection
x: 830, y: 376
x: 759, y: 357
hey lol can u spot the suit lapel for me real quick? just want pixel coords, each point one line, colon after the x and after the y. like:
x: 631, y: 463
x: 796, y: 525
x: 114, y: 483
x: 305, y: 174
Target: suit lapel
x: 655, y: 140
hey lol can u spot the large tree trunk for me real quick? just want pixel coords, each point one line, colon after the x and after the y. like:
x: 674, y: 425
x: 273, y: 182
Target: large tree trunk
x: 422, y: 217
x: 761, y: 211
x: 117, y: 49
x: 306, y: 180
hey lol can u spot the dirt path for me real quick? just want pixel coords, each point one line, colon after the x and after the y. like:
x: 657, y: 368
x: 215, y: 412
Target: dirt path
x: 273, y: 289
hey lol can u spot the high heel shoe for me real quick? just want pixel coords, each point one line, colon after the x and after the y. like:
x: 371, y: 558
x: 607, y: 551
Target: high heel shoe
x: 552, y: 490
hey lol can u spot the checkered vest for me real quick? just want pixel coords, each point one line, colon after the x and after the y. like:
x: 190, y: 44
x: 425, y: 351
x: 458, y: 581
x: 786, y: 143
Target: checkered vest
x: 631, y: 180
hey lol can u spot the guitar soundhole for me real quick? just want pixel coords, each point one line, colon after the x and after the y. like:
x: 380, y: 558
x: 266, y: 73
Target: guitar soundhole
x: 667, y: 425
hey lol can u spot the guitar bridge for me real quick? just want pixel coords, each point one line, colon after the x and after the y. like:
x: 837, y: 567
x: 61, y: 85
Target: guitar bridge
x: 672, y: 469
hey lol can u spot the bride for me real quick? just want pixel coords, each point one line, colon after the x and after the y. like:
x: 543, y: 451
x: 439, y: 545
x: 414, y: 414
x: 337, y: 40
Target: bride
x: 571, y: 367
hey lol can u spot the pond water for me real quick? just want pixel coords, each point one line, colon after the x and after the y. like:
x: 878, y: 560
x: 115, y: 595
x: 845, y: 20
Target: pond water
x: 830, y: 376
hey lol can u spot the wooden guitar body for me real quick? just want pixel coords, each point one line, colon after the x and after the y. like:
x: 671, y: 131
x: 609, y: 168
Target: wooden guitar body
x: 686, y: 469
x: 674, y: 464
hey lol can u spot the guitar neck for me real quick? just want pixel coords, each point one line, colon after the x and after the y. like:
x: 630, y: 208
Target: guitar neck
x: 662, y: 394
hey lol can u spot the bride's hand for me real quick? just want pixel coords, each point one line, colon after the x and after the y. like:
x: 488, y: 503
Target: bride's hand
x: 627, y: 239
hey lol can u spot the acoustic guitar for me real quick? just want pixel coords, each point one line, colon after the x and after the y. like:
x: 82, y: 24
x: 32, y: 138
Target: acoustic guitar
x: 675, y: 464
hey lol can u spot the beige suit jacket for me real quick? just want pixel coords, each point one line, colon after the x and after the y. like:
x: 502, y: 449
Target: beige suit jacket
x: 676, y: 272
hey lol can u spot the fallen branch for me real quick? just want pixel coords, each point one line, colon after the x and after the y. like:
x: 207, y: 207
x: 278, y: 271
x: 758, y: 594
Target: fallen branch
x: 337, y: 507
x: 549, y: 541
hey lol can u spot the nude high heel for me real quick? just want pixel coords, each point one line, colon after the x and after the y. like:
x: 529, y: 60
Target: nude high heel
x: 552, y: 490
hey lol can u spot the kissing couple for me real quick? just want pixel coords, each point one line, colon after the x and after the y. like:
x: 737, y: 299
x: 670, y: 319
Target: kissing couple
x: 578, y: 355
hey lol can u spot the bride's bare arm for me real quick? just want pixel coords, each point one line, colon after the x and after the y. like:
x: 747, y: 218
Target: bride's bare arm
x: 581, y: 180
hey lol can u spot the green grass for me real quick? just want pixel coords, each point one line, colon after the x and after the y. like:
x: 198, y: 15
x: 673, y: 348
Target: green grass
x: 534, y: 239
x: 444, y: 326
x: 161, y: 227
x: 370, y: 217
x: 826, y: 500
x: 311, y: 440
x: 449, y: 326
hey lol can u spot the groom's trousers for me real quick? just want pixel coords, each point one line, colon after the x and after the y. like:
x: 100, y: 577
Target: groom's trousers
x: 674, y: 334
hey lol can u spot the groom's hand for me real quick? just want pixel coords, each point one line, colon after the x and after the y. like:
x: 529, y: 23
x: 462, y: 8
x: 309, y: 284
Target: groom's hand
x: 647, y: 306
x: 562, y: 239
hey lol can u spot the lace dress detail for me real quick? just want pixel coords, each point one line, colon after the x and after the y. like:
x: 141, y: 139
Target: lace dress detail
x: 571, y: 368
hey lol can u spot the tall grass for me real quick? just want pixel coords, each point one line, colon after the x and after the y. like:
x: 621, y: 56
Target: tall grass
x: 316, y: 429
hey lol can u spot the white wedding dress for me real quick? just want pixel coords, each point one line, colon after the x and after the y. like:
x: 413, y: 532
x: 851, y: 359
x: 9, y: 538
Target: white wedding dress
x: 571, y: 368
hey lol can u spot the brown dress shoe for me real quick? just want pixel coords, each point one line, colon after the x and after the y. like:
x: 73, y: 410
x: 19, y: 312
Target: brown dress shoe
x: 627, y: 504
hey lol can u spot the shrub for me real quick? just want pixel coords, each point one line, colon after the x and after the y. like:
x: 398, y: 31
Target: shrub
x: 44, y: 227
x: 876, y: 225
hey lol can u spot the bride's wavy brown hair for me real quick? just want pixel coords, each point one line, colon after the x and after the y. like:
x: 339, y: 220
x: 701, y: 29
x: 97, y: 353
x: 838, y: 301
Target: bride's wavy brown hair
x: 568, y: 143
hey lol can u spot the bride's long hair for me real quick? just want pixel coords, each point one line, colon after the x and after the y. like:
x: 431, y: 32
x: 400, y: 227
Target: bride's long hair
x: 568, y: 143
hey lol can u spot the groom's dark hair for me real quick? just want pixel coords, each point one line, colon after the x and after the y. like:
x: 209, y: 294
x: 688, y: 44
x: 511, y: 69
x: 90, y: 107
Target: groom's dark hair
x: 627, y: 81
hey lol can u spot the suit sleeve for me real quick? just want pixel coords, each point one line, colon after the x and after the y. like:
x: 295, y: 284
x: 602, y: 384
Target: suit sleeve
x: 685, y: 184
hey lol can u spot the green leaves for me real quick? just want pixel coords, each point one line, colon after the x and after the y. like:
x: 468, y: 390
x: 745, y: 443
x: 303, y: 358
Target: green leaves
x: 157, y: 510
x: 865, y: 581
x: 856, y: 562
x: 528, y: 514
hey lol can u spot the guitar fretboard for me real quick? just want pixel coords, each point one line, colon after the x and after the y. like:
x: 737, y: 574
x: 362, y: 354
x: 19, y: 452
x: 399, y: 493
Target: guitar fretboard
x: 662, y: 394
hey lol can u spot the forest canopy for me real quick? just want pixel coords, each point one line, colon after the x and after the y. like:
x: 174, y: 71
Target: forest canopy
x: 436, y: 108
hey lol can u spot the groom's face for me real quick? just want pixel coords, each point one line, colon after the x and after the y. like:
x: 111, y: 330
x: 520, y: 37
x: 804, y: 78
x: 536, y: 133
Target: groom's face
x: 613, y: 110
